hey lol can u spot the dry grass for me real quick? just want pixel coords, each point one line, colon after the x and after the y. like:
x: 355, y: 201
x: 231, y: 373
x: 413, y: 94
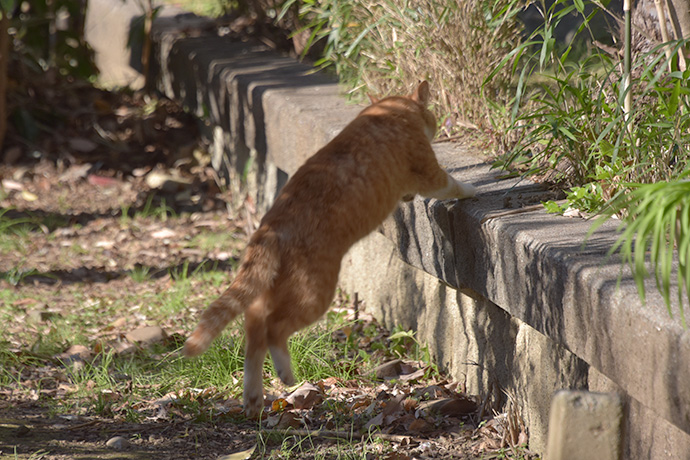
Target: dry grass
x: 385, y: 47
x: 453, y: 47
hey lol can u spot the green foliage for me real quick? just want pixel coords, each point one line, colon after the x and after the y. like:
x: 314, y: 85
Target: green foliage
x: 404, y: 343
x: 568, y: 122
x: 13, y: 237
x: 16, y: 275
x: 140, y: 273
x: 554, y: 208
x: 161, y: 212
x: 657, y: 223
x: 568, y: 125
x: 314, y: 351
x: 7, y: 6
x: 387, y: 47
x: 343, y: 25
x: 210, y: 8
x: 585, y: 197
x: 9, y: 225
x: 50, y: 34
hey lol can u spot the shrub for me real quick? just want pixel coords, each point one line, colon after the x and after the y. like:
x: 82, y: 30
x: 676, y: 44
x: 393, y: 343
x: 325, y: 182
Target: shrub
x: 571, y: 125
x: 389, y: 46
x: 568, y: 120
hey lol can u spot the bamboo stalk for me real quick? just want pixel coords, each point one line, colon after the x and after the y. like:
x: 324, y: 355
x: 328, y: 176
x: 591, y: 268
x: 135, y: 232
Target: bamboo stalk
x: 661, y: 12
x: 678, y: 34
x: 52, y: 34
x: 627, y: 104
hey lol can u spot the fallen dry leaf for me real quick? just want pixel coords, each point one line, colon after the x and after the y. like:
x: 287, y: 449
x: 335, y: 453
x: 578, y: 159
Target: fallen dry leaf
x: 102, y: 181
x: 28, y: 196
x: 74, y: 354
x: 410, y: 404
x: 163, y: 233
x: 388, y: 370
x: 305, y: 397
x: 572, y: 213
x: 82, y: 145
x: 420, y: 426
x: 416, y: 375
x: 146, y: 335
x: 287, y: 420
x: 110, y: 395
x: 374, y: 422
x: 243, y: 455
x: 9, y: 184
x: 279, y: 405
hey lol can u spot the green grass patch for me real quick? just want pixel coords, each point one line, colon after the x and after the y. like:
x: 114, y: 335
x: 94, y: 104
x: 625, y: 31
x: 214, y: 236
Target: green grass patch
x: 111, y: 380
x: 215, y: 240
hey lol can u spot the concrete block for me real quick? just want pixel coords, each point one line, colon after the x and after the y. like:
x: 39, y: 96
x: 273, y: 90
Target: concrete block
x: 646, y: 435
x: 474, y: 340
x: 106, y: 29
x: 584, y: 426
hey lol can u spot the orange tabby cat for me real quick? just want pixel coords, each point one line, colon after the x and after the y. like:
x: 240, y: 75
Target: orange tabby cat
x: 288, y: 275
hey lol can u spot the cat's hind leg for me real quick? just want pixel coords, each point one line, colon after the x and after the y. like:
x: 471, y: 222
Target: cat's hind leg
x: 255, y: 353
x: 281, y: 359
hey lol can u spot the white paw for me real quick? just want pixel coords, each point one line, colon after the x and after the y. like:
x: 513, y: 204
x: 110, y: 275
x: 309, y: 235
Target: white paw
x: 466, y: 190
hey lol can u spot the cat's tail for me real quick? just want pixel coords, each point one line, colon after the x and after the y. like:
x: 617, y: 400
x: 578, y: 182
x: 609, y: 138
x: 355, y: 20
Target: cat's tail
x: 255, y: 276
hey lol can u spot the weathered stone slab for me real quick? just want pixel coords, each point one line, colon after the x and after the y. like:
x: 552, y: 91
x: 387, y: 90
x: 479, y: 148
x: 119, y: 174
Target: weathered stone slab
x: 533, y: 265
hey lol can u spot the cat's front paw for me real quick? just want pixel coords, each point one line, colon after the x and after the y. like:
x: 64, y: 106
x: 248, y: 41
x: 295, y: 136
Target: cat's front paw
x: 466, y: 190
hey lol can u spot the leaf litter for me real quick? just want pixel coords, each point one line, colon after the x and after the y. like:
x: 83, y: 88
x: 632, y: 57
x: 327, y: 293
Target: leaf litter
x: 122, y: 206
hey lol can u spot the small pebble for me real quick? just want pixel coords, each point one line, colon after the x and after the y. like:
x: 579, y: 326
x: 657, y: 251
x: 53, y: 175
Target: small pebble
x: 118, y: 442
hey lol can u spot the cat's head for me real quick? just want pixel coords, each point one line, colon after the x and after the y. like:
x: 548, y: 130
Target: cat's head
x: 418, y: 101
x: 421, y: 97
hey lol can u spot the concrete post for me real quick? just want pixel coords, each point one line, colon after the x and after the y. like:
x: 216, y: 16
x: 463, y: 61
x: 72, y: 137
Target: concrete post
x: 584, y: 426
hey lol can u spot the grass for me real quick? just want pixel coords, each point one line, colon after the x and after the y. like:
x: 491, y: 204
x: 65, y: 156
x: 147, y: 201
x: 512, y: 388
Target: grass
x: 387, y: 47
x: 14, y: 233
x: 126, y: 386
x: 211, y: 8
x: 657, y: 225
x: 150, y: 374
x: 124, y: 383
x: 297, y: 447
x: 156, y: 372
x: 215, y: 241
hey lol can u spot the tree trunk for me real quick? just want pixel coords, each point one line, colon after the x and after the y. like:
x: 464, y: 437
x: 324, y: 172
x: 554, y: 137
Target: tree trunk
x: 146, y: 50
x: 4, y: 60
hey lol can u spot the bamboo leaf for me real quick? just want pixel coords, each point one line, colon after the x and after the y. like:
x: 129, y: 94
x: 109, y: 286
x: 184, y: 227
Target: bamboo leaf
x: 579, y: 4
x: 361, y: 36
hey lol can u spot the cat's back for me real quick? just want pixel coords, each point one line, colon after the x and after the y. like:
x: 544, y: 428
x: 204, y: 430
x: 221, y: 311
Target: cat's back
x: 353, y: 183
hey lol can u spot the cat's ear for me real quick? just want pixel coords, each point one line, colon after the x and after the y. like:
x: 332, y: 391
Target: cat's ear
x: 373, y: 99
x: 421, y: 94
